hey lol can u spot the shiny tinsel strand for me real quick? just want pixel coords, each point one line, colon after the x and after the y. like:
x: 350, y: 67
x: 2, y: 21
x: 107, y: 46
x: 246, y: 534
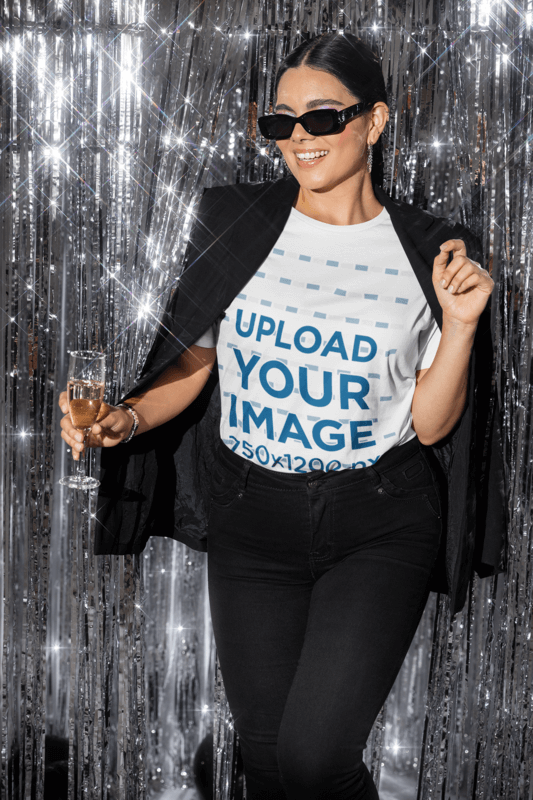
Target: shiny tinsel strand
x: 113, y: 115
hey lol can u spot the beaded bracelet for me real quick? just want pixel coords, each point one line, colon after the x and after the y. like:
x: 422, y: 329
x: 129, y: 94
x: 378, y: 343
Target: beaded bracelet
x: 135, y: 425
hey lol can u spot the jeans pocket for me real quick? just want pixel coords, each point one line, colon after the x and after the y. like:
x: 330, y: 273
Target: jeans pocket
x: 411, y: 480
x: 433, y: 500
x: 225, y: 485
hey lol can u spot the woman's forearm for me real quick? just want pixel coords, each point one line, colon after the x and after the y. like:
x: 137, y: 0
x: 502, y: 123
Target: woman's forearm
x: 440, y: 394
x: 176, y: 389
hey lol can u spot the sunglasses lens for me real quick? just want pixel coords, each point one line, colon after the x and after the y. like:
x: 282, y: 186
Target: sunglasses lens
x: 320, y: 122
x: 277, y: 126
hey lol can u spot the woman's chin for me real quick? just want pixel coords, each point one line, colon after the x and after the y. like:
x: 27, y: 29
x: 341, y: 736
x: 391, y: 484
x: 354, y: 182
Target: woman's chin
x: 310, y: 178
x: 316, y: 182
x: 323, y: 179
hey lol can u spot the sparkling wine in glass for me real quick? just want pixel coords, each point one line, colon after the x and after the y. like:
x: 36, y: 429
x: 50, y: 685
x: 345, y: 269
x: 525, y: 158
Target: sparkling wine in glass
x: 85, y: 391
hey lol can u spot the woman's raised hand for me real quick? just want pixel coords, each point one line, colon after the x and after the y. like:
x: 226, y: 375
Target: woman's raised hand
x: 113, y: 425
x: 463, y: 287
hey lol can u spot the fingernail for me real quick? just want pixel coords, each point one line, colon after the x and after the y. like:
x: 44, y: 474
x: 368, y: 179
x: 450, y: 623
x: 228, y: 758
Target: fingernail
x: 443, y: 282
x: 79, y: 437
x: 450, y: 288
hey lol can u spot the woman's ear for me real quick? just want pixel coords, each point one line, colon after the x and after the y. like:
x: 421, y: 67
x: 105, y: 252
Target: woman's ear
x: 379, y: 116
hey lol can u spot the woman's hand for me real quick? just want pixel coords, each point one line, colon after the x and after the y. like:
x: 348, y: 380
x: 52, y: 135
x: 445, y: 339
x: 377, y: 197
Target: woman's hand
x: 463, y: 287
x: 114, y: 424
x: 175, y: 389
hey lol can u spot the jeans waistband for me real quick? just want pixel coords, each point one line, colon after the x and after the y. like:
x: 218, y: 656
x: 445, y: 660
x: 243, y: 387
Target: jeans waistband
x: 291, y: 480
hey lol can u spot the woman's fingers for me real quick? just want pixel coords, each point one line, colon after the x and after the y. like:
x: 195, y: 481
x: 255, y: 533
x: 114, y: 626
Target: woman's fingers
x: 68, y: 431
x: 470, y: 281
x: 440, y: 265
x: 72, y: 436
x: 451, y: 276
x: 112, y: 427
x: 463, y: 271
x: 457, y: 246
x: 462, y: 286
x: 457, y: 275
x: 450, y: 273
x: 63, y: 402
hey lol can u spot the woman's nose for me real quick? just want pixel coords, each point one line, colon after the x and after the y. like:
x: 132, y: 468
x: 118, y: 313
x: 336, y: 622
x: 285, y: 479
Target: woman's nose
x: 299, y: 132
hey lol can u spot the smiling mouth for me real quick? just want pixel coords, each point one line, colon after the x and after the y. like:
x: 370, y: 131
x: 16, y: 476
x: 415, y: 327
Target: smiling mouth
x: 311, y: 159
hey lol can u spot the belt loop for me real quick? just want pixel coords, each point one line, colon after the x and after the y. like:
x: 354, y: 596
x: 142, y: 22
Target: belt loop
x: 374, y: 474
x: 244, y: 476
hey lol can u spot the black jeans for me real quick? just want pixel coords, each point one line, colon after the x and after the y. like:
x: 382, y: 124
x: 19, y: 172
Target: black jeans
x: 317, y: 583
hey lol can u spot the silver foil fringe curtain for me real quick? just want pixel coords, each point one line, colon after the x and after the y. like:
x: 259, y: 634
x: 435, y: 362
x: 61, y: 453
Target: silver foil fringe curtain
x: 113, y: 115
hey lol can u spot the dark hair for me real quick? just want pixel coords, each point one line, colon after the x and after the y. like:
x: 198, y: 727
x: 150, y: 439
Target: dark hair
x: 354, y: 64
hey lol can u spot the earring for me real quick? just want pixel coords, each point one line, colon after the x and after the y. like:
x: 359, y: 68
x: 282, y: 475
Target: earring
x: 369, y: 158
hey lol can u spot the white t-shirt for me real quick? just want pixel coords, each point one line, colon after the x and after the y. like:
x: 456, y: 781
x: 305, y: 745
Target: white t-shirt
x: 317, y: 356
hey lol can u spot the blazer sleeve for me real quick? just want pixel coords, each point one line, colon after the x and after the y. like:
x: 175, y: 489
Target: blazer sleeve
x: 155, y: 484
x: 491, y: 485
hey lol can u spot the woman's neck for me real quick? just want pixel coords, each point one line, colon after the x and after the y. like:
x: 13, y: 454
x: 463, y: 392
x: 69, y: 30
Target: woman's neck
x: 348, y: 203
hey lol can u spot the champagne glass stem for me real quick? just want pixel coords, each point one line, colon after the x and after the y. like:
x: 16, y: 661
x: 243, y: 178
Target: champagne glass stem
x: 81, y: 463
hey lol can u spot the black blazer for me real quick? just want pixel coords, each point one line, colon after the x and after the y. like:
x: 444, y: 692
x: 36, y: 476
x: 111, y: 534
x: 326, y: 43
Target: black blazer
x: 158, y: 484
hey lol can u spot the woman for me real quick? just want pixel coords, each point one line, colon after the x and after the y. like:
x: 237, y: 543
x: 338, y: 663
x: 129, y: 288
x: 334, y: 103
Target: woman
x: 342, y: 359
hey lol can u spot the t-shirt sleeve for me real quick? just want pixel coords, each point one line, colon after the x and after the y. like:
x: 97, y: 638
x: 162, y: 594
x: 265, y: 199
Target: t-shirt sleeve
x: 209, y: 338
x: 428, y: 343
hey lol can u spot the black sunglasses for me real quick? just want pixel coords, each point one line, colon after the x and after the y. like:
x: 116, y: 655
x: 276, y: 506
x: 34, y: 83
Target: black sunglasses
x: 317, y: 123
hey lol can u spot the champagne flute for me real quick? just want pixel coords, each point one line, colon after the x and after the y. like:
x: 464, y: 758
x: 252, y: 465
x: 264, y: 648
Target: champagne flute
x: 85, y: 392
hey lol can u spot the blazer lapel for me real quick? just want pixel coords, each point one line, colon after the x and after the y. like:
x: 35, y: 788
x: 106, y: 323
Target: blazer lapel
x: 256, y: 229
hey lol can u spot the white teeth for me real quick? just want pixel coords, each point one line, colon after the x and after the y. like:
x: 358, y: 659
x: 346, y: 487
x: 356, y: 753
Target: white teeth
x: 311, y: 156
